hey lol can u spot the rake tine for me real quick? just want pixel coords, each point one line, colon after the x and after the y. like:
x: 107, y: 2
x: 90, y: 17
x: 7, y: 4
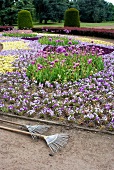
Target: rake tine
x: 31, y: 128
x: 55, y: 142
x: 52, y: 147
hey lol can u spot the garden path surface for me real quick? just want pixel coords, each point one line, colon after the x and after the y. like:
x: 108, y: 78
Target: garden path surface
x: 84, y: 151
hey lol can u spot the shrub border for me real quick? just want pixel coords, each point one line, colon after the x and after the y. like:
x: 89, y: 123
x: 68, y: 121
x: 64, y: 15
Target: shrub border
x: 6, y: 28
x: 95, y: 32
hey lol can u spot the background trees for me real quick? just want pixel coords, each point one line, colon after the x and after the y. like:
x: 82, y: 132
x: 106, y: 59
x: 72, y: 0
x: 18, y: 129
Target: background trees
x: 44, y: 10
x: 95, y: 10
x: 10, y: 8
x: 50, y: 9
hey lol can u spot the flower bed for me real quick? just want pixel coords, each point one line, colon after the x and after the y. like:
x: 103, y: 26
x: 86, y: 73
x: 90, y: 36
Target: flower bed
x: 105, y: 50
x: 87, y: 102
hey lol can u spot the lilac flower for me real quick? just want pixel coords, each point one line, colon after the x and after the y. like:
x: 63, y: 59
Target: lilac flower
x: 89, y: 115
x: 10, y: 107
x: 30, y: 112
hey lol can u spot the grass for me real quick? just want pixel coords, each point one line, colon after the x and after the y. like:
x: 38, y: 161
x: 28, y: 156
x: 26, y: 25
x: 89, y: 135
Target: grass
x: 82, y: 24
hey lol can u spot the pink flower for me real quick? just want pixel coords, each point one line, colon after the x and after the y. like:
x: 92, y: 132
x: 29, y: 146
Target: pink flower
x: 52, y: 63
x: 89, y: 61
x: 50, y: 39
x: 56, y: 60
x: 33, y: 62
x: 39, y: 66
x: 76, y: 64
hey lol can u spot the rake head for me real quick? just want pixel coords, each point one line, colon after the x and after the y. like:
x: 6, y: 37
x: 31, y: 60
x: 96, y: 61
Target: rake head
x: 57, y: 141
x: 37, y: 128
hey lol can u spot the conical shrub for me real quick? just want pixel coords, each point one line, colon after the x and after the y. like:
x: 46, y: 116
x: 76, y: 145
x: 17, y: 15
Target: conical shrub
x: 71, y: 18
x: 24, y: 20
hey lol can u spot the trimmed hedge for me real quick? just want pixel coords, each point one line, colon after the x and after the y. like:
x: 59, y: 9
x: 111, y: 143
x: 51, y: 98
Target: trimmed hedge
x: 96, y: 32
x: 24, y: 20
x: 72, y: 18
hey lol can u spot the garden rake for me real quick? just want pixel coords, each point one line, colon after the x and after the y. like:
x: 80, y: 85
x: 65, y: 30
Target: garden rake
x: 55, y: 142
x: 31, y: 128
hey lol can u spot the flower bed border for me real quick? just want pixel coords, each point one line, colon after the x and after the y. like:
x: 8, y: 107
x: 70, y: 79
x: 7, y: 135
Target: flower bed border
x: 97, y: 32
x: 70, y: 126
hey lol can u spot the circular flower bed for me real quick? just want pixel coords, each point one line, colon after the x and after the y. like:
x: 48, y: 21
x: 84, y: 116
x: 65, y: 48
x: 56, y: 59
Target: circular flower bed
x: 86, y: 101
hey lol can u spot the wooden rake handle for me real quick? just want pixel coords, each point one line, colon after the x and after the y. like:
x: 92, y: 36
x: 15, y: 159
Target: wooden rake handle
x: 13, y: 123
x: 20, y: 131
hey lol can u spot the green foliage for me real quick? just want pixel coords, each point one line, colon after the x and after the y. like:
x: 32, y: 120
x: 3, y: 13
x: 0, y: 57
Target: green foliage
x: 25, y: 5
x: 95, y: 10
x: 72, y: 18
x: 63, y: 67
x: 24, y: 19
x: 50, y: 9
x: 57, y: 41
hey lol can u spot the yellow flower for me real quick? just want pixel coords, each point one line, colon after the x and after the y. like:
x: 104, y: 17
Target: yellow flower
x: 85, y: 39
x: 15, y: 45
x: 6, y: 64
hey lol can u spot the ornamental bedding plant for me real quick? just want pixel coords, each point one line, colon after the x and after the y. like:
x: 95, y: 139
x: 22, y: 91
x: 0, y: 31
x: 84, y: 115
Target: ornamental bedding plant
x: 87, y: 101
x: 57, y: 41
x: 65, y: 65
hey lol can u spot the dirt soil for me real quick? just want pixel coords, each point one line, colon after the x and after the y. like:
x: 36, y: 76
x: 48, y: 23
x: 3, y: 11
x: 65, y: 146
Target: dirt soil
x: 84, y: 151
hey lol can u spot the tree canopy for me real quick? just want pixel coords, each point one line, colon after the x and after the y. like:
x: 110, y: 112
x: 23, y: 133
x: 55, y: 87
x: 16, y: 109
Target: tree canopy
x: 44, y: 10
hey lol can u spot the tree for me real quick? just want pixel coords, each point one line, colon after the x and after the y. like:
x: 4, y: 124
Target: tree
x: 10, y: 9
x: 50, y: 9
x: 7, y: 13
x: 25, y: 5
x: 110, y: 12
x: 95, y: 10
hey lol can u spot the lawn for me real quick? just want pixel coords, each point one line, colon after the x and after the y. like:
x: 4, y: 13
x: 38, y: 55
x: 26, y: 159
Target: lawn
x: 103, y: 24
x: 72, y: 81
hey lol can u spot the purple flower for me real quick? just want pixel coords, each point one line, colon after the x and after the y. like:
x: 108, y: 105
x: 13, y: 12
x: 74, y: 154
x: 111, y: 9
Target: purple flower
x: 76, y: 64
x: 33, y: 62
x: 89, y: 61
x: 10, y: 107
x: 50, y: 39
x: 70, y: 42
